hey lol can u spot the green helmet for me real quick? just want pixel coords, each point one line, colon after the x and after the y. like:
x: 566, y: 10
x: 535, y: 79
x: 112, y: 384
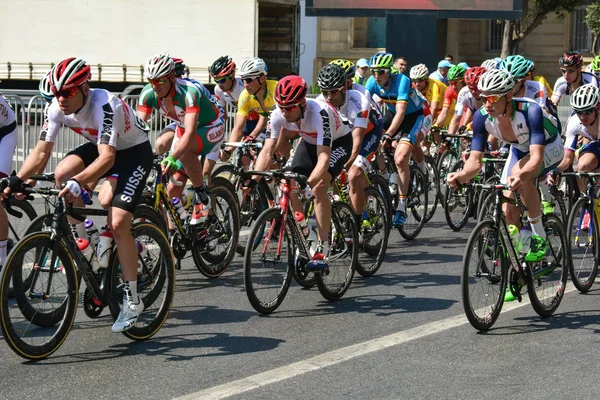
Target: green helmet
x: 346, y: 65
x: 596, y: 63
x: 517, y: 66
x: 381, y: 60
x: 456, y: 73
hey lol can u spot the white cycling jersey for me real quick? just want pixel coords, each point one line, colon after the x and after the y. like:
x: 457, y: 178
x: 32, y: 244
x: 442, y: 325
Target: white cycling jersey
x: 574, y: 130
x: 465, y: 99
x: 363, y: 90
x: 561, y: 87
x: 231, y: 97
x: 321, y: 124
x: 355, y: 108
x: 536, y: 91
x: 7, y: 114
x: 104, y: 119
x: 8, y: 136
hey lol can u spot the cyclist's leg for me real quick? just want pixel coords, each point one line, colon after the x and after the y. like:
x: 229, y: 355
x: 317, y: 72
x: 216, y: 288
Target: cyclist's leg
x: 357, y: 171
x: 589, y: 157
x: 106, y: 192
x: 165, y: 139
x: 284, y: 148
x: 8, y: 144
x: 511, y: 211
x: 210, y: 161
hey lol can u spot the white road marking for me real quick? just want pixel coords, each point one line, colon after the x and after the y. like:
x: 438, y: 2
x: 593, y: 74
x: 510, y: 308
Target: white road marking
x: 336, y: 356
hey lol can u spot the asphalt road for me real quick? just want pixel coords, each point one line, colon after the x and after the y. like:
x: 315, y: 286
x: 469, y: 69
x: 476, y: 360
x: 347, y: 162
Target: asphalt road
x: 399, y: 334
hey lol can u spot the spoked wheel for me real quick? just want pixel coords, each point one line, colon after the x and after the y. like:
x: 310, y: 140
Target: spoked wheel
x: 416, y: 205
x: 37, y: 321
x: 458, y: 203
x: 268, y: 266
x: 445, y: 164
x: 433, y: 184
x: 484, y: 276
x: 582, y: 239
x: 548, y: 278
x: 379, y: 183
x: 343, y: 253
x: 485, y: 202
x: 156, y: 282
x: 373, y: 233
x: 215, y: 245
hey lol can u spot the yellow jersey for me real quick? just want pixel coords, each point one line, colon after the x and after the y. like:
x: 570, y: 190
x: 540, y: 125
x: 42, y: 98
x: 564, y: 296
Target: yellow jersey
x: 248, y: 103
x: 544, y: 82
x: 435, y: 93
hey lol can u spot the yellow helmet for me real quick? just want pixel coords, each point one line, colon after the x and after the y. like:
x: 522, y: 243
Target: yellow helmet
x: 347, y: 65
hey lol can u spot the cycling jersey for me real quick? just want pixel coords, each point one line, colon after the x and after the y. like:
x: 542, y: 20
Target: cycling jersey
x: 398, y: 89
x: 8, y: 136
x: 103, y: 119
x: 320, y: 125
x: 450, y: 97
x: 536, y: 92
x: 374, y: 105
x: 231, y: 98
x: 248, y: 103
x: 561, y: 87
x: 435, y: 91
x: 7, y: 116
x: 465, y: 100
x: 356, y: 108
x: 574, y: 130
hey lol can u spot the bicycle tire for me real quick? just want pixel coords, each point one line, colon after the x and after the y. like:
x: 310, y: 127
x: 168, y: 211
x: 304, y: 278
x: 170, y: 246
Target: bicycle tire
x: 15, y: 221
x: 416, y: 199
x: 556, y: 290
x: 342, y: 246
x: 225, y: 230
x: 482, y: 317
x: 383, y: 186
x: 454, y: 198
x: 444, y: 166
x: 373, y: 247
x: 267, y: 299
x: 585, y: 252
x: 39, y: 223
x: 145, y: 213
x: 13, y: 329
x: 482, y: 200
x: 433, y: 183
x: 157, y: 275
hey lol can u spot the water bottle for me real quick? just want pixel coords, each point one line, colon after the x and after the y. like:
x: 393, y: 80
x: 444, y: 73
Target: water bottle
x: 84, y: 246
x: 92, y: 232
x: 513, y: 231
x: 302, y: 221
x: 179, y: 207
x: 525, y: 237
x: 104, y: 247
x: 312, y: 228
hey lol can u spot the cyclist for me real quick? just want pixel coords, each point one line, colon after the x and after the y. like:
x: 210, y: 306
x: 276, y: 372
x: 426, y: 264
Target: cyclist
x: 362, y: 68
x: 433, y: 90
x: 456, y: 78
x: 324, y: 149
x: 539, y: 78
x: 45, y: 89
x: 490, y: 64
x: 468, y: 100
x: 8, y: 143
x: 594, y: 66
x: 200, y: 124
x: 404, y: 117
x: 256, y: 98
x: 366, y: 126
x: 536, y: 148
x: 572, y: 77
x: 118, y: 143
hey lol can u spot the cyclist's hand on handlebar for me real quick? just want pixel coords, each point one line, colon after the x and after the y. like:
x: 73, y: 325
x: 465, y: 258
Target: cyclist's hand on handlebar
x: 452, y: 180
x: 71, y: 190
x: 435, y: 129
x: 225, y: 154
x: 515, y: 183
x: 461, y: 129
x: 386, y: 140
x: 169, y: 165
x: 249, y: 139
x: 9, y: 184
x: 553, y: 177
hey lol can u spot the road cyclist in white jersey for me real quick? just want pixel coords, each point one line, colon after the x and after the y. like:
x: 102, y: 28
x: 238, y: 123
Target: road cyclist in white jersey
x: 572, y: 76
x: 366, y: 129
x: 468, y: 100
x: 8, y: 143
x: 324, y: 149
x: 117, y: 143
x: 536, y: 149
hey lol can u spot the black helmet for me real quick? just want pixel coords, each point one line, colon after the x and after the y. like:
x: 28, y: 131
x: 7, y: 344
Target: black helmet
x: 331, y: 77
x: 222, y: 67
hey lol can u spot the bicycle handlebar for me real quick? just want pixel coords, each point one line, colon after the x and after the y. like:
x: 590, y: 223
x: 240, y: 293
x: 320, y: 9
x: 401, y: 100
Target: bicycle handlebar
x: 255, y: 145
x: 281, y: 175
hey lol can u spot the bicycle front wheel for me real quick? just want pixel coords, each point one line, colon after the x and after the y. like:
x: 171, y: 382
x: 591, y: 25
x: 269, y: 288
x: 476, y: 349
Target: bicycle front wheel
x: 433, y: 187
x: 484, y: 277
x: 582, y: 240
x: 156, y: 282
x: 548, y: 278
x: 373, y: 233
x: 458, y: 203
x: 268, y: 266
x: 416, y: 205
x: 38, y: 319
x: 343, y: 253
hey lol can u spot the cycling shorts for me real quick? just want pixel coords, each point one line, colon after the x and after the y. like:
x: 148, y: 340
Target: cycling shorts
x: 8, y: 143
x: 207, y: 137
x: 304, y: 159
x: 410, y: 127
x: 553, y: 155
x: 249, y: 128
x: 369, y: 145
x: 132, y: 166
x: 594, y: 148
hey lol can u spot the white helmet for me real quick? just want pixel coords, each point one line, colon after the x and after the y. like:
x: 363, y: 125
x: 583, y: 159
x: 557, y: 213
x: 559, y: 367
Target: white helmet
x: 496, y: 82
x: 158, y: 66
x: 45, y: 88
x: 490, y: 64
x: 419, y: 71
x: 585, y: 97
x: 253, y: 68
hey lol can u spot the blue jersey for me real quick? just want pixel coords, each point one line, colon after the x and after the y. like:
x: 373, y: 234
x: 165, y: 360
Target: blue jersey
x: 398, y: 90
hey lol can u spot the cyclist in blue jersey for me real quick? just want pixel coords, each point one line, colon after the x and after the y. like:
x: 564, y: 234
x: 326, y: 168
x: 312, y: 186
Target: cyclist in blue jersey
x: 404, y: 116
x: 536, y: 149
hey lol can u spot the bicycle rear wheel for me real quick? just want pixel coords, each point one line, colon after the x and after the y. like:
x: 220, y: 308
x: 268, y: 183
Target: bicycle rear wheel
x: 433, y: 185
x: 548, y: 278
x: 458, y: 203
x: 416, y: 204
x: 156, y: 282
x: 343, y: 253
x: 38, y: 320
x: 373, y: 233
x: 268, y: 267
x: 582, y: 240
x: 484, y: 277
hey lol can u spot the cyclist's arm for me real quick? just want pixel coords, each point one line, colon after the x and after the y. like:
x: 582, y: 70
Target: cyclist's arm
x: 471, y: 167
x: 478, y: 145
x: 190, y: 123
x: 454, y: 124
x: 263, y: 162
x: 567, y: 160
x: 143, y: 114
x: 260, y: 126
x: 36, y: 160
x: 357, y: 138
x: 442, y: 117
x: 100, y: 166
x: 532, y: 167
x: 434, y: 107
x: 238, y: 129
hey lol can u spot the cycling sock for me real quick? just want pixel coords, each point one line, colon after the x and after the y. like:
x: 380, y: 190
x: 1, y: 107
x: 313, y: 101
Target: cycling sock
x: 132, y: 285
x: 79, y: 230
x: 202, y: 193
x: 401, y: 204
x: 536, y: 226
x: 3, y: 251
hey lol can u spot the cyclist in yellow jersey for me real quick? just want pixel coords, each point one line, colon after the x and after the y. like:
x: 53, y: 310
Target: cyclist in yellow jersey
x: 257, y: 96
x: 431, y: 89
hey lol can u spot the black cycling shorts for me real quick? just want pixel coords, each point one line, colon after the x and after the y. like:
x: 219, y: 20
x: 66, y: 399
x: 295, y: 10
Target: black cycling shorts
x: 410, y: 127
x: 132, y: 166
x: 304, y: 159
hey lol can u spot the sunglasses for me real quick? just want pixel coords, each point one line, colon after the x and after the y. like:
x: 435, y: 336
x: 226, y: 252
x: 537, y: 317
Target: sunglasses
x: 156, y: 82
x: 222, y: 80
x: 330, y: 93
x: 290, y: 108
x: 568, y: 71
x: 419, y: 80
x: 249, y: 80
x: 379, y: 71
x: 492, y: 99
x: 585, y: 112
x: 66, y: 93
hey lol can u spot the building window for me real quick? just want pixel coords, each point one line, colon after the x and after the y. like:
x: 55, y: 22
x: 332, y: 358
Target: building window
x: 581, y: 34
x: 495, y: 32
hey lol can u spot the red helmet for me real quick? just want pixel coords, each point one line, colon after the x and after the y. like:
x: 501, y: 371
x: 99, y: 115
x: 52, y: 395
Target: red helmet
x: 473, y: 74
x: 571, y: 59
x: 69, y: 73
x: 291, y: 89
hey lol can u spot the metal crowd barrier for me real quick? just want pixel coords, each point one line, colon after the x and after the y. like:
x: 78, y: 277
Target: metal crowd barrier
x: 30, y: 118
